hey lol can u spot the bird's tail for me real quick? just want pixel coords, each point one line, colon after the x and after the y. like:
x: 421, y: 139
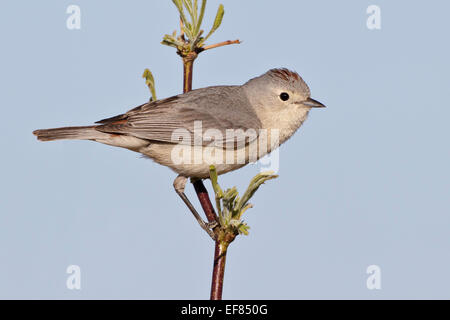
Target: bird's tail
x: 68, y: 133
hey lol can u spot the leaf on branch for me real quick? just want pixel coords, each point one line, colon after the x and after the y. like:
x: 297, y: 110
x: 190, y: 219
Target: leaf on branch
x: 150, y: 81
x: 180, y: 8
x: 191, y: 39
x: 190, y: 10
x: 245, y: 208
x: 202, y: 14
x: 219, y: 17
x: 213, y: 175
x: 171, y: 41
x: 230, y: 207
x: 217, y: 22
x: 197, y: 40
x: 255, y: 183
x: 243, y: 229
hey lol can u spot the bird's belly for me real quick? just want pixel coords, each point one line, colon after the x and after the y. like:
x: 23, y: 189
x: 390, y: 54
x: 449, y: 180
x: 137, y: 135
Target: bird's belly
x: 193, y: 161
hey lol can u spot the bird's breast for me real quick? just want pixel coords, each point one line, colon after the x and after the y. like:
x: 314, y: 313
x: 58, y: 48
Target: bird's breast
x: 284, y: 123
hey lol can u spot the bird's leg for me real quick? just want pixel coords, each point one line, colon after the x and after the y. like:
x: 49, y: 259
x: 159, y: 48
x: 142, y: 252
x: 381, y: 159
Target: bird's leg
x: 179, y: 184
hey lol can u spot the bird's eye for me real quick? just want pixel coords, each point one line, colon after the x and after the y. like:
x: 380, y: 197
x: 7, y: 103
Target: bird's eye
x: 284, y: 96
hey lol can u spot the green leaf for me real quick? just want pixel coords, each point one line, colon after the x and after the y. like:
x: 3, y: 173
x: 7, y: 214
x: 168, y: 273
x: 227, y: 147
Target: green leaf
x: 243, y: 229
x: 219, y: 17
x: 229, y: 193
x: 180, y: 8
x: 188, y: 5
x: 242, y: 211
x: 187, y: 30
x: 227, y: 217
x: 150, y: 81
x: 213, y: 176
x: 200, y: 18
x: 195, y: 9
x: 171, y: 41
x: 255, y: 183
x: 217, y: 22
x: 196, y: 40
x: 217, y: 190
x: 168, y: 43
x: 234, y: 206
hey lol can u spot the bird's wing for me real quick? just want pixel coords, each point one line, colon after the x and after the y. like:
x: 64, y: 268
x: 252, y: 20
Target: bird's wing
x: 199, y: 117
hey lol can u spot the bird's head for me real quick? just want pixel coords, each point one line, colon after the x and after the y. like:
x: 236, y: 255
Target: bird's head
x: 281, y: 100
x: 280, y: 89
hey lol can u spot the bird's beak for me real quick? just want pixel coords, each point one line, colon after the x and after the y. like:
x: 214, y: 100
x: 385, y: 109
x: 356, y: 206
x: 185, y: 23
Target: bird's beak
x: 313, y: 103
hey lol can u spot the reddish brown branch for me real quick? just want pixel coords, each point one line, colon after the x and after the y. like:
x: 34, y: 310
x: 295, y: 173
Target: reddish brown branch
x: 188, y: 65
x: 220, y: 252
x: 203, y: 197
x: 202, y: 194
x: 220, y: 255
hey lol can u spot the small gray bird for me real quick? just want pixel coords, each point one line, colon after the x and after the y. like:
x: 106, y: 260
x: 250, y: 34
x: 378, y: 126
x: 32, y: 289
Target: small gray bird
x: 278, y: 100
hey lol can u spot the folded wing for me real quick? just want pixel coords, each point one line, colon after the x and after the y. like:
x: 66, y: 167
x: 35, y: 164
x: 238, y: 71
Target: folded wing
x: 219, y: 115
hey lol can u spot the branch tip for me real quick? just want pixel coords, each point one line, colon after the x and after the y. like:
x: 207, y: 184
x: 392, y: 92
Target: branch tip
x: 221, y: 44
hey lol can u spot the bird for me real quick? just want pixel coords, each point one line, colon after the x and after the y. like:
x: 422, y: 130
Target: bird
x: 217, y: 125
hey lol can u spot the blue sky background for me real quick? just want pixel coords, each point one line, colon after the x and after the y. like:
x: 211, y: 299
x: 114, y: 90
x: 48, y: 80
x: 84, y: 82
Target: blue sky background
x: 365, y: 181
